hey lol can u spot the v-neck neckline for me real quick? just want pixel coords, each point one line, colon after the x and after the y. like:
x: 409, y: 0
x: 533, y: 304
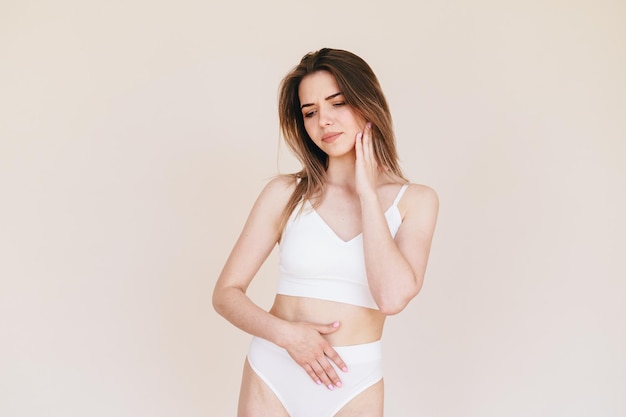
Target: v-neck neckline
x: 332, y: 231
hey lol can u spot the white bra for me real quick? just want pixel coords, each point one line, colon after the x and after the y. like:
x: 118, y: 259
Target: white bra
x: 316, y: 263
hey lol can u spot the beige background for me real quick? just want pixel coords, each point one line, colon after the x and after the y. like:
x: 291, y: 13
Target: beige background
x: 135, y: 135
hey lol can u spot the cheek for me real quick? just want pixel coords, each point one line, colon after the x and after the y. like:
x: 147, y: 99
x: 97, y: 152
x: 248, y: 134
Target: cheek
x: 360, y: 121
x: 309, y: 127
x: 355, y: 120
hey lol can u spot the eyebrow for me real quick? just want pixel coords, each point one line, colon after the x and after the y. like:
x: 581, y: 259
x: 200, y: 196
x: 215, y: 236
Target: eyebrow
x: 330, y: 97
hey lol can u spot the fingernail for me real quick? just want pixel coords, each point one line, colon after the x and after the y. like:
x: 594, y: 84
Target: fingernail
x: 336, y: 324
x: 359, y: 135
x: 345, y: 369
x: 318, y: 382
x: 338, y: 384
x: 330, y: 387
x: 369, y: 125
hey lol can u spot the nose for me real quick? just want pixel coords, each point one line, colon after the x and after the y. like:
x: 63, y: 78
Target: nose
x: 325, y: 117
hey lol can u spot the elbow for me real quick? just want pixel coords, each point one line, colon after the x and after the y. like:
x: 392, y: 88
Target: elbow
x: 391, y: 307
x: 218, y: 302
x: 391, y: 310
x: 394, y: 305
x: 225, y: 298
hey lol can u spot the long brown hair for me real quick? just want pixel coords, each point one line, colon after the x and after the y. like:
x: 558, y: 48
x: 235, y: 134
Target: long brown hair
x: 361, y: 91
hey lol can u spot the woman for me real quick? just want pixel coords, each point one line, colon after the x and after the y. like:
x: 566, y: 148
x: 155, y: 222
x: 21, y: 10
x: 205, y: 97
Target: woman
x: 354, y: 240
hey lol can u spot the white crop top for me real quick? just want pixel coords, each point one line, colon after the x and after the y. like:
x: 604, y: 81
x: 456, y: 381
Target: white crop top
x: 316, y: 263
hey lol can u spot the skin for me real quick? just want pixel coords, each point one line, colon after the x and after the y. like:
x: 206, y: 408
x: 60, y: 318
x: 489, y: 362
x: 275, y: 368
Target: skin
x: 357, y: 193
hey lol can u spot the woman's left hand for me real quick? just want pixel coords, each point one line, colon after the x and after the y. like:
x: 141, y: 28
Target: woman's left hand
x: 366, y: 165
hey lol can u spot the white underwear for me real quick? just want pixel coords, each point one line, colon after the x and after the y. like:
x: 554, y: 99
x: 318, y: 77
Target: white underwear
x: 295, y: 389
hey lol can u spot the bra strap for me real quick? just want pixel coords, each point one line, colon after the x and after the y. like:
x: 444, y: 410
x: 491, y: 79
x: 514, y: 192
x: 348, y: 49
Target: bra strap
x: 400, y: 194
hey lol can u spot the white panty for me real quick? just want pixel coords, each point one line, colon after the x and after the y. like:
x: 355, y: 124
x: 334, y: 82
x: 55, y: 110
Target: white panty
x: 295, y: 389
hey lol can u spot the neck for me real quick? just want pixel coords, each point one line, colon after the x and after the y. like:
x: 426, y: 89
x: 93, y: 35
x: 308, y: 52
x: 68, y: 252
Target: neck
x: 341, y: 171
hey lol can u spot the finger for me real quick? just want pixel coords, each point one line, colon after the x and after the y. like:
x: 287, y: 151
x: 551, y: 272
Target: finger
x: 367, y: 142
x: 334, y: 356
x: 322, y: 374
x: 330, y: 374
x: 309, y: 370
x: 327, y: 328
x: 358, y: 145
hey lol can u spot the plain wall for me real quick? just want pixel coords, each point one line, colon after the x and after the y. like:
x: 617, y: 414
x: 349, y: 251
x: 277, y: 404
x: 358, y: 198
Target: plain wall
x: 135, y: 136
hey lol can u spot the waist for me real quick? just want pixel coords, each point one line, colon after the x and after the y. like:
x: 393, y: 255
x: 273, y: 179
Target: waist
x: 342, y: 289
x: 364, y: 352
x: 358, y: 325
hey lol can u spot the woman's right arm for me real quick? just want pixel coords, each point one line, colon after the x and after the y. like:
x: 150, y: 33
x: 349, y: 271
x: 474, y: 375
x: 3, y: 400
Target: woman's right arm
x: 258, y: 237
x: 260, y: 234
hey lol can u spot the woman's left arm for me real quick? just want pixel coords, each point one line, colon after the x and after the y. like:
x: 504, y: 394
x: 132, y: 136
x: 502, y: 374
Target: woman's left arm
x: 395, y: 266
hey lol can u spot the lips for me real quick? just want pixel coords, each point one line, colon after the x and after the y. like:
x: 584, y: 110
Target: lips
x: 330, y: 137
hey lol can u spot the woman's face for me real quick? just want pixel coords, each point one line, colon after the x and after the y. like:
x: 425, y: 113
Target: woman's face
x: 329, y: 121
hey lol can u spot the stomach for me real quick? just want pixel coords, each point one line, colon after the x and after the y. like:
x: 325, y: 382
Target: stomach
x: 358, y: 325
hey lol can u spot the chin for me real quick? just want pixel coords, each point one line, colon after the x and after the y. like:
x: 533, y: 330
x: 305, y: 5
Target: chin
x: 337, y: 153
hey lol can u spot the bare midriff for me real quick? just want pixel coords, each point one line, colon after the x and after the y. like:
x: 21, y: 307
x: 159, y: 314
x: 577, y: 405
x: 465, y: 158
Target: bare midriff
x: 358, y: 324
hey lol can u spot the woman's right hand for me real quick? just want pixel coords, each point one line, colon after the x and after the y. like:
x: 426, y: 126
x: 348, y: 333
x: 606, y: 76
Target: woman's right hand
x: 306, y: 345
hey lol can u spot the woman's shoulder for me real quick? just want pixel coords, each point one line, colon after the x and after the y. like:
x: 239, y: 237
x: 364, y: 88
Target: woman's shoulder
x: 414, y: 191
x: 280, y: 186
x: 420, y: 198
x: 421, y: 190
x: 278, y: 190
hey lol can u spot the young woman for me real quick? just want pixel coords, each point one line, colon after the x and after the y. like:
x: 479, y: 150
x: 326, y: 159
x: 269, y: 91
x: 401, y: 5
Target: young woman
x: 354, y: 240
